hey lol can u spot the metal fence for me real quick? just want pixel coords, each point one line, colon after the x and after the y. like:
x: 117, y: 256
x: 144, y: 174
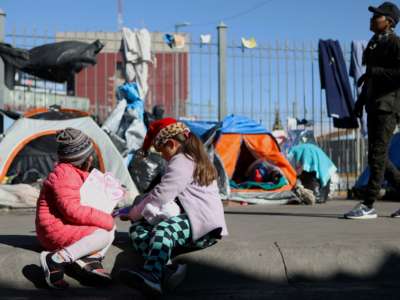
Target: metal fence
x: 275, y: 79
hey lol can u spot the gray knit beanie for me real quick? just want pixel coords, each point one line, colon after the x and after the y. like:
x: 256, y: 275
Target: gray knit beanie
x: 73, y: 146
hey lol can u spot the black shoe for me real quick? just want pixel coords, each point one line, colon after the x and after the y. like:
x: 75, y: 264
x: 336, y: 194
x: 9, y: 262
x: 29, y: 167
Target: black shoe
x: 93, y: 270
x: 53, y: 271
x: 142, y: 280
x: 174, y: 274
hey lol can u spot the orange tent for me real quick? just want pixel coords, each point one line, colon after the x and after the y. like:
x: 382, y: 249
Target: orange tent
x: 237, y: 151
x: 238, y: 142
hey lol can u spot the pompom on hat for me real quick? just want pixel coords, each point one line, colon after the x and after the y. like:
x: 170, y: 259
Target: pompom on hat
x: 161, y: 130
x: 73, y: 146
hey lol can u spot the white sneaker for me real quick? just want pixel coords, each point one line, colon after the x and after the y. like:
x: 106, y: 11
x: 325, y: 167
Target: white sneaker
x: 361, y: 212
x: 396, y: 214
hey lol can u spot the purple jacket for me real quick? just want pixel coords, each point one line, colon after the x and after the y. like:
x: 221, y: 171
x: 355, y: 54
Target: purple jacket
x: 202, y: 204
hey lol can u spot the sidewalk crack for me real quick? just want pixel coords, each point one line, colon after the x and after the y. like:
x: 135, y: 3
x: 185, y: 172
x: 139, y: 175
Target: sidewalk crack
x: 289, y: 281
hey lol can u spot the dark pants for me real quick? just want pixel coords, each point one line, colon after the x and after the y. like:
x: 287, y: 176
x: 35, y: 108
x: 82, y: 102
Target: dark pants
x: 156, y: 243
x: 380, y: 130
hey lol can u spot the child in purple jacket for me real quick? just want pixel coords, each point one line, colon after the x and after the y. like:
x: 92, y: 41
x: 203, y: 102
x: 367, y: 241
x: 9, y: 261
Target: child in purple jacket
x: 190, y: 180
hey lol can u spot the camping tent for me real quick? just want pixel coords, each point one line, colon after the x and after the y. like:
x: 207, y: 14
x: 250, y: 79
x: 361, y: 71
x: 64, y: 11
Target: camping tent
x: 239, y: 143
x: 29, y: 145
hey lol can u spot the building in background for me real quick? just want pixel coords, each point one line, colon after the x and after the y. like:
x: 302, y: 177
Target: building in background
x: 168, y: 75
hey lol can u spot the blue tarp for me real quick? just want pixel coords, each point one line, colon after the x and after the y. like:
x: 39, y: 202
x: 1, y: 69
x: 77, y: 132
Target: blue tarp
x: 231, y: 124
x: 243, y: 125
x: 394, y: 156
x: 311, y: 158
x: 199, y: 127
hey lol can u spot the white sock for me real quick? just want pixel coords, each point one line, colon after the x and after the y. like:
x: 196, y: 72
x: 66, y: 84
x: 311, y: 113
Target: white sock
x: 62, y: 256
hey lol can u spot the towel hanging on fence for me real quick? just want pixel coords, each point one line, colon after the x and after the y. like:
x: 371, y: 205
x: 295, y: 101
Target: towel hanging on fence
x: 176, y: 41
x: 357, y: 68
x: 169, y: 39
x: 335, y: 81
x: 179, y: 41
x: 136, y: 47
x: 205, y: 39
x: 249, y: 43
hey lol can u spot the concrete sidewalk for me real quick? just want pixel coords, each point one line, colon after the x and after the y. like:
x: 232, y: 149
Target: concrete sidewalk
x: 276, y: 252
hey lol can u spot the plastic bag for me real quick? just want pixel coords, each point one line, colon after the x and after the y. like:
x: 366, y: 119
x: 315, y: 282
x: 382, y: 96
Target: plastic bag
x: 146, y: 171
x: 111, y: 124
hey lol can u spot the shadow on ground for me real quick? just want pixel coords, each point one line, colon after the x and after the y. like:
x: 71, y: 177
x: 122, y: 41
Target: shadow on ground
x: 312, y: 215
x: 205, y: 281
x: 27, y: 242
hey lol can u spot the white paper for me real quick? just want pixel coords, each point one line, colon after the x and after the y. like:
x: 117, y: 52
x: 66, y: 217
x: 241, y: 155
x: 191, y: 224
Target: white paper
x: 101, y: 191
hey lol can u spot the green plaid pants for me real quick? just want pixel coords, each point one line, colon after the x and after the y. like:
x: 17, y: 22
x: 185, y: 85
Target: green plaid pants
x: 155, y: 243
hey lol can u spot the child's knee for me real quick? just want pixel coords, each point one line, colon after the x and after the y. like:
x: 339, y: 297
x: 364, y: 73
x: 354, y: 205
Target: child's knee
x: 103, y: 234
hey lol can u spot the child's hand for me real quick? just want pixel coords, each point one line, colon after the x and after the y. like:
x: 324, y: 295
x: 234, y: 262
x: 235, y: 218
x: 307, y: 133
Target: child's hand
x: 124, y: 218
x: 122, y: 212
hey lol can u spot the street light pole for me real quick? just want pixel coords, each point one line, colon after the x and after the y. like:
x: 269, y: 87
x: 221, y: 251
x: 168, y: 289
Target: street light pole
x: 183, y: 24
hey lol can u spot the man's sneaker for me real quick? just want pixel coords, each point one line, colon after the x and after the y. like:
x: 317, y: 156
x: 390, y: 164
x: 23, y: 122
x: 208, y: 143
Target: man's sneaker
x: 93, y: 269
x: 396, y: 214
x: 53, y: 270
x: 142, y: 280
x: 361, y: 212
x: 174, y: 274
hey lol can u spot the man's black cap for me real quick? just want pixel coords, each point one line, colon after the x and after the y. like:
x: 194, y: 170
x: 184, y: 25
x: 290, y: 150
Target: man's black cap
x: 387, y: 9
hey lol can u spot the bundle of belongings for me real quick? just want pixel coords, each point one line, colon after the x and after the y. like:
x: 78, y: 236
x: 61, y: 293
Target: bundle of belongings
x: 260, y: 174
x: 18, y: 196
x: 314, y: 169
x: 125, y: 125
x: 55, y: 62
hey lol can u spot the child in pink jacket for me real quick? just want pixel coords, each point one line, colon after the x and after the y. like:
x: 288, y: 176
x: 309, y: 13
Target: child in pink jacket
x: 69, y: 232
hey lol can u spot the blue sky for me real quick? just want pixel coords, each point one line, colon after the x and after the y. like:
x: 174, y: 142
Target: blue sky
x: 294, y: 20
x: 297, y: 21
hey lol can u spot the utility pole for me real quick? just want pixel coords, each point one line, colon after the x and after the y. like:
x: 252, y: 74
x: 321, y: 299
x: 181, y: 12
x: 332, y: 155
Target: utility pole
x: 222, y: 109
x: 120, y: 20
x: 2, y: 83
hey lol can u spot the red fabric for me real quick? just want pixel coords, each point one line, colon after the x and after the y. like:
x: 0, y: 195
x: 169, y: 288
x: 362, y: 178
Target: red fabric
x: 60, y: 218
x: 262, y: 146
x: 154, y: 129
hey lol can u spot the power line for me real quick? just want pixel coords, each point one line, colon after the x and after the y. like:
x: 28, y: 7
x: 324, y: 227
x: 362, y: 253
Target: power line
x: 237, y: 15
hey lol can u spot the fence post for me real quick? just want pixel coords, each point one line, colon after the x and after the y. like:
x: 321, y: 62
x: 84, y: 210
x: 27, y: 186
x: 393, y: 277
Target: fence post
x: 221, y: 71
x: 176, y: 85
x: 2, y: 83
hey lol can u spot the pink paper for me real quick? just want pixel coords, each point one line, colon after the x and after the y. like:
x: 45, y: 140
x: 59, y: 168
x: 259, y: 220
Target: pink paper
x: 101, y: 191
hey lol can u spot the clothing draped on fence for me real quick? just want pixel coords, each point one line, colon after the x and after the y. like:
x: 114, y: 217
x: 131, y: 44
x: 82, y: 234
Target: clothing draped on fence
x: 335, y: 81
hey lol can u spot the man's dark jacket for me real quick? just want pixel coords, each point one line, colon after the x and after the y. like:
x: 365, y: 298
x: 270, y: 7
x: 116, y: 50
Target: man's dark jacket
x: 381, y: 90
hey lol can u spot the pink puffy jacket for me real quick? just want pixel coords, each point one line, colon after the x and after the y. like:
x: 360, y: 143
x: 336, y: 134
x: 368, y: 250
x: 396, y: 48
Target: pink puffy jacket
x: 60, y: 218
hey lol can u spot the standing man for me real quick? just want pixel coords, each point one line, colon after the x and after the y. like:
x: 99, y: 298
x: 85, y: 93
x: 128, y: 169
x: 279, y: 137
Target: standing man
x: 381, y: 96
